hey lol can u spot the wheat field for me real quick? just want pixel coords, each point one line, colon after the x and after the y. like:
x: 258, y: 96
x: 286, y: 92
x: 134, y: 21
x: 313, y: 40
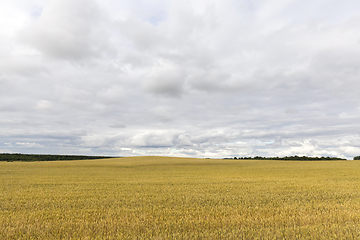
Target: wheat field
x: 180, y: 198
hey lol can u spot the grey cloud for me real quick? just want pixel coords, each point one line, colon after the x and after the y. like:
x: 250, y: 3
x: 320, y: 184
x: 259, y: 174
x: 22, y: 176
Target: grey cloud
x: 68, y: 30
x: 165, y: 78
x: 143, y: 35
x: 337, y: 71
x: 24, y: 67
x: 118, y: 125
x: 113, y: 95
x: 184, y: 140
x: 162, y: 114
x: 181, y: 78
x: 95, y: 141
x: 208, y: 80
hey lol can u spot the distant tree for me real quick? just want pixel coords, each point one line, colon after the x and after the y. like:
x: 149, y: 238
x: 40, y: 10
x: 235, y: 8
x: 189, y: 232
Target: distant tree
x: 10, y: 157
x: 357, y: 158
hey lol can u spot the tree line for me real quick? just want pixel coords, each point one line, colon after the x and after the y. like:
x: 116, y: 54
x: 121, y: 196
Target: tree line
x: 292, y: 158
x: 10, y: 157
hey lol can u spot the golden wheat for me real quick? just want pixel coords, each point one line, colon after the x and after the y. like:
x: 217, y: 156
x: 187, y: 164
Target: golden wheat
x: 176, y: 198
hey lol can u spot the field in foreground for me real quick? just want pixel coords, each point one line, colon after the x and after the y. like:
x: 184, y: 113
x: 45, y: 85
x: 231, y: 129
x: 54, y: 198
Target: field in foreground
x: 175, y: 198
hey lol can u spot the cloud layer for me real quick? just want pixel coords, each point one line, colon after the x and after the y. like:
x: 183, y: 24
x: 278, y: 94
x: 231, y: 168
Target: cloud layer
x: 204, y: 79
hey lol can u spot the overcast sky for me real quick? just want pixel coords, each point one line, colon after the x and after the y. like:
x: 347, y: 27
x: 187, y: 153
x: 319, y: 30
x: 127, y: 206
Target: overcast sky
x: 201, y: 78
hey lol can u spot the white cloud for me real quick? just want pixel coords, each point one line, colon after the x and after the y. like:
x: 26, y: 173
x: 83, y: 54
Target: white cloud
x: 205, y: 78
x: 29, y: 145
x: 68, y: 30
x: 44, y: 105
x: 153, y: 139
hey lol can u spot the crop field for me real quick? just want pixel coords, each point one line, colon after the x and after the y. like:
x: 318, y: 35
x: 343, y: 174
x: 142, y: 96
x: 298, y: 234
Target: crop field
x: 179, y: 198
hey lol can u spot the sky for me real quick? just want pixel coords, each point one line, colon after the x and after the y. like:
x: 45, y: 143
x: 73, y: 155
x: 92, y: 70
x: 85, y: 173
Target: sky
x: 204, y: 78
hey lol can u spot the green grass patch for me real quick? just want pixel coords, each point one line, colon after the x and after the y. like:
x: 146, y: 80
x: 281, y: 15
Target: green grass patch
x: 179, y: 198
